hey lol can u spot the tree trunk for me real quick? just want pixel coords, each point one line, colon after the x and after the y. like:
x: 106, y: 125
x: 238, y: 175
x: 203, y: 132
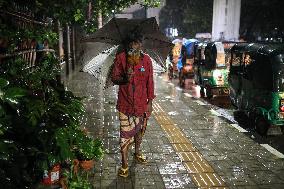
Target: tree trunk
x: 89, y: 11
x: 100, y: 19
x: 60, y: 41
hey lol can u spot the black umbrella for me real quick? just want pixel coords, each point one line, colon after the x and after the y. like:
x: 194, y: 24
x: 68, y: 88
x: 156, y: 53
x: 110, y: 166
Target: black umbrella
x: 116, y: 31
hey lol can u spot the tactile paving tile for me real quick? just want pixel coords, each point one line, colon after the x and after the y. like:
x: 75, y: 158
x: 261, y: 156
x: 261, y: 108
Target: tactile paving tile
x: 207, y: 180
x: 190, y: 156
x: 186, y: 147
x: 199, y: 169
x: 174, y: 132
x: 178, y: 139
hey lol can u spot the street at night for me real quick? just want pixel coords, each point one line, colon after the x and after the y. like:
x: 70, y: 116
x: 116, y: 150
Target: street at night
x: 191, y: 142
x: 141, y: 94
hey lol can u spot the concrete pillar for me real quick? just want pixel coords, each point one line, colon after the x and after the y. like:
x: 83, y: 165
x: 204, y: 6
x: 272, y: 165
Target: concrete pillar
x: 226, y: 19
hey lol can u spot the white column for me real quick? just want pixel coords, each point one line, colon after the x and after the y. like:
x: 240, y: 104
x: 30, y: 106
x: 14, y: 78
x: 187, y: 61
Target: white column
x: 226, y: 19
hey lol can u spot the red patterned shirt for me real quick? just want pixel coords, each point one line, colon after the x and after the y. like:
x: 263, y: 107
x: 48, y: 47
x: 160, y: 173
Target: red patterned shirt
x: 134, y: 95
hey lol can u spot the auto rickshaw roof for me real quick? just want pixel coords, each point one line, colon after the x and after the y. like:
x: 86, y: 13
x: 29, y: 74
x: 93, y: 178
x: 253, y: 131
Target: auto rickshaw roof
x: 244, y: 47
x: 201, y: 44
x: 272, y: 49
x: 210, y: 44
x: 256, y: 48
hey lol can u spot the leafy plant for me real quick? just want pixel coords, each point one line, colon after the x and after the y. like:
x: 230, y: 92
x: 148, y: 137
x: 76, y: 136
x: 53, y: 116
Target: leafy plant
x: 76, y: 181
x: 38, y: 122
x: 86, y: 147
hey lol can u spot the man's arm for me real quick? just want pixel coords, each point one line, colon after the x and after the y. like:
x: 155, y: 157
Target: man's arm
x: 118, y: 77
x: 150, y: 89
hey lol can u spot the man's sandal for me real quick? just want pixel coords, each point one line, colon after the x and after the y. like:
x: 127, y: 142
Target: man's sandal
x: 123, y: 172
x: 140, y: 158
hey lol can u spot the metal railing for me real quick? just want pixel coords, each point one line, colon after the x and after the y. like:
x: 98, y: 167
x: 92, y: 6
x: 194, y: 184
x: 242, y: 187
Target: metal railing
x: 31, y: 56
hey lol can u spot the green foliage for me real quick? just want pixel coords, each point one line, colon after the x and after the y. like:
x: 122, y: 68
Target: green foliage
x: 39, y: 121
x: 72, y: 11
x: 108, y: 7
x: 16, y: 35
x: 3, y: 83
x: 50, y: 35
x: 77, y: 181
x: 86, y: 147
x: 11, y: 95
x: 151, y: 3
x: 91, y: 26
x: 78, y: 15
x: 39, y: 118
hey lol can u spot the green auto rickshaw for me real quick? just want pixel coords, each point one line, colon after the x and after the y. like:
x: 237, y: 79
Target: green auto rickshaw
x: 256, y: 82
x: 210, y: 69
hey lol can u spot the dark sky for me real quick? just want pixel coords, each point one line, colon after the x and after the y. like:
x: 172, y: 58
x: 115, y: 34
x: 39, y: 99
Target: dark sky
x: 263, y: 18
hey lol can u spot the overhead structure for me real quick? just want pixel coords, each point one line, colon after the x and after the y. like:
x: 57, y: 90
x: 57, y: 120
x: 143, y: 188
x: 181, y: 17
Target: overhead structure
x: 138, y: 11
x: 226, y: 20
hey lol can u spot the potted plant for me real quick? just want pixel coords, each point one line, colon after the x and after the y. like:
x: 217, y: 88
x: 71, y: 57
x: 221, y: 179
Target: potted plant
x: 38, y: 119
x: 75, y: 180
x: 87, y: 150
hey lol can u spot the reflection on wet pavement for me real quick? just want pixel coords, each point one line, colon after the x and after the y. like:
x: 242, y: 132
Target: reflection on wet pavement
x: 188, y: 143
x: 193, y: 161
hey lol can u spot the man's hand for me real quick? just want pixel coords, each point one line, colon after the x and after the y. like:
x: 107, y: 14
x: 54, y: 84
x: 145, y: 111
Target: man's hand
x: 149, y: 108
x: 130, y: 74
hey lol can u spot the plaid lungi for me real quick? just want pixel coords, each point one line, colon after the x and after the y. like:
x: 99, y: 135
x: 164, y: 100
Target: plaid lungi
x: 129, y: 127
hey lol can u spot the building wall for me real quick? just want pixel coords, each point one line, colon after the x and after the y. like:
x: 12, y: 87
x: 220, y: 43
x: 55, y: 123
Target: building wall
x: 129, y: 16
x: 226, y: 19
x: 154, y: 12
x: 137, y: 11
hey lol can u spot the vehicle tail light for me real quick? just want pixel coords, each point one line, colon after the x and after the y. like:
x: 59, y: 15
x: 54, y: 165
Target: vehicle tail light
x: 281, y: 105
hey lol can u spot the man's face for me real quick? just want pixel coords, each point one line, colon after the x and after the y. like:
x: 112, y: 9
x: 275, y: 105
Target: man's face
x: 137, y: 45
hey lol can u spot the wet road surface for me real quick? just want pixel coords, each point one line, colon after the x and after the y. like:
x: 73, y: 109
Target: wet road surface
x: 222, y: 104
x: 189, y: 142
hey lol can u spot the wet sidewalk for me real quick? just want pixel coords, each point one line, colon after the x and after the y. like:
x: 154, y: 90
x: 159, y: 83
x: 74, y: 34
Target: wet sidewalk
x: 188, y: 144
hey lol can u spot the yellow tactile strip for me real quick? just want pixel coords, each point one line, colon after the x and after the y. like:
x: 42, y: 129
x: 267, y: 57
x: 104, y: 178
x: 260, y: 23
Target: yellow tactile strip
x: 199, y: 169
x: 187, y: 147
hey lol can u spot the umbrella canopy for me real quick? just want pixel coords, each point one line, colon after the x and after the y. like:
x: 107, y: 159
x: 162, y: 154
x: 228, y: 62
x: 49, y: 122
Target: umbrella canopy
x: 100, y: 66
x: 116, y: 31
x: 177, y: 41
x: 189, y: 43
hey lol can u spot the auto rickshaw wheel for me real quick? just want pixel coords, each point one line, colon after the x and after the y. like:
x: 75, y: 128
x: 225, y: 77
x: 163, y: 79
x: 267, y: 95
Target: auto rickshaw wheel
x: 202, y: 93
x: 233, y: 103
x: 180, y: 79
x: 282, y: 129
x: 251, y: 120
x: 181, y: 83
x: 195, y: 82
x: 209, y: 92
x: 261, y: 125
x: 240, y: 117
